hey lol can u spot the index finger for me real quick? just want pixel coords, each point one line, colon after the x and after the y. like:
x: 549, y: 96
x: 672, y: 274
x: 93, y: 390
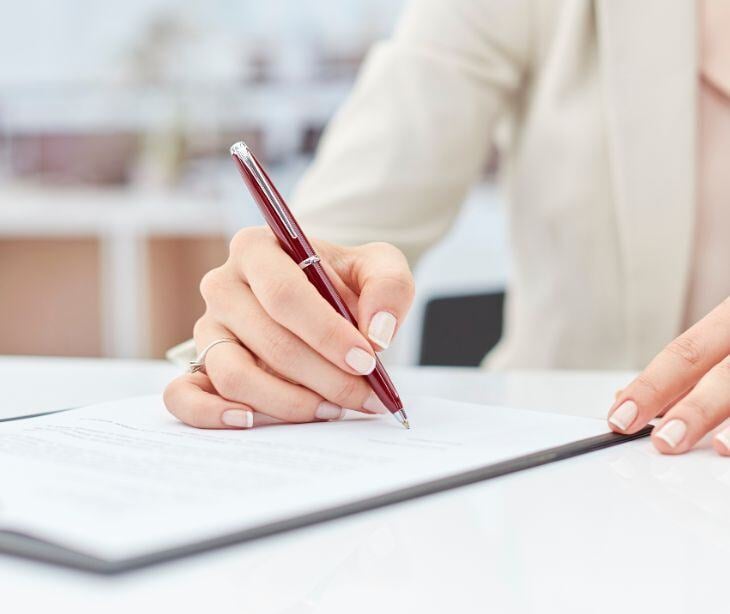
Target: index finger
x: 676, y: 369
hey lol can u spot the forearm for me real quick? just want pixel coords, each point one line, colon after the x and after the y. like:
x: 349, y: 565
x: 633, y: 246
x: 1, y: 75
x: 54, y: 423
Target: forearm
x: 397, y: 160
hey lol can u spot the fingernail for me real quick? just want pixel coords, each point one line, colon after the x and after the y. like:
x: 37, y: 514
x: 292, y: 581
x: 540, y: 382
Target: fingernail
x: 672, y: 432
x: 724, y: 438
x: 373, y: 403
x: 624, y: 415
x: 240, y: 418
x: 381, y: 328
x: 328, y: 411
x: 360, y: 361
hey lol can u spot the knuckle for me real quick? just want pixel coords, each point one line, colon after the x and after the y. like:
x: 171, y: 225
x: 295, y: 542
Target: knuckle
x: 386, y: 248
x: 281, y: 350
x: 279, y: 294
x: 212, y: 283
x: 699, y: 410
x: 390, y: 250
x: 348, y: 393
x: 199, y: 328
x: 403, y: 283
x: 329, y: 333
x: 686, y: 349
x: 336, y: 256
x: 244, y: 238
x: 398, y: 273
x: 381, y: 246
x: 647, y: 385
x: 228, y: 383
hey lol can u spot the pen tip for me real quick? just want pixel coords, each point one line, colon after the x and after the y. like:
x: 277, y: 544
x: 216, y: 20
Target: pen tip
x: 400, y: 415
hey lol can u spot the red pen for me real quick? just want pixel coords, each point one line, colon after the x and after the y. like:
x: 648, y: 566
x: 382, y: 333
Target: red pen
x: 295, y: 243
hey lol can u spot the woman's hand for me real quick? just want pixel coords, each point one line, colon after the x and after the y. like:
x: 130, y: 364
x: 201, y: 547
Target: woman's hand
x: 688, y: 384
x: 298, y: 359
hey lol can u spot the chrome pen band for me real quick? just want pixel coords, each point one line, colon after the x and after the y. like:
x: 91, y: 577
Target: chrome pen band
x: 307, y: 261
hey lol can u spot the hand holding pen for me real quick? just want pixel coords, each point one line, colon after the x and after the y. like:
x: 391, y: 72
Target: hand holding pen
x: 280, y: 349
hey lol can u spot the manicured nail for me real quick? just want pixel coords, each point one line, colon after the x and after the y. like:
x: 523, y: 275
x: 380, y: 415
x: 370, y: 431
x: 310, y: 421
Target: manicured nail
x: 328, y: 411
x: 672, y: 432
x: 381, y: 328
x: 240, y: 418
x: 624, y: 415
x: 360, y: 361
x: 373, y: 403
x: 724, y: 438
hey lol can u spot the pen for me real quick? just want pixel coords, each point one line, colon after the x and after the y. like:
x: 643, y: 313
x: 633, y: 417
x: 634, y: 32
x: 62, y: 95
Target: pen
x: 295, y: 243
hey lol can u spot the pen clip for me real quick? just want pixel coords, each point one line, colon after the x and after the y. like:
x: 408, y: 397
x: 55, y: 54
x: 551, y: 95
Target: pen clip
x: 243, y: 153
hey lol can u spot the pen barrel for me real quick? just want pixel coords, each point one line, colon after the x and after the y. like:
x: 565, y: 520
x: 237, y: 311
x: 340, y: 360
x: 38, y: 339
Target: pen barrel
x: 298, y: 250
x: 379, y: 380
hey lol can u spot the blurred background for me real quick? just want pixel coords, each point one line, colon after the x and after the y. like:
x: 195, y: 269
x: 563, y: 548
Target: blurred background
x: 116, y: 190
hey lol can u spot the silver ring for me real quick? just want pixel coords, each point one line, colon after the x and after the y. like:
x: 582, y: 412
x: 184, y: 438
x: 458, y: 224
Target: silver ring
x: 307, y: 261
x: 199, y: 363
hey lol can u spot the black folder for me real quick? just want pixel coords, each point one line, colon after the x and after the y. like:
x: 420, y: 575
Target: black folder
x: 31, y: 547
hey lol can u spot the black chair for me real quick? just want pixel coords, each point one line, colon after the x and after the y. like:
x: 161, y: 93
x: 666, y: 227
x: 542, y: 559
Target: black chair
x: 460, y: 330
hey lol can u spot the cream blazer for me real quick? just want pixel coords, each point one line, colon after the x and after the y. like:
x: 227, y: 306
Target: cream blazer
x: 599, y: 167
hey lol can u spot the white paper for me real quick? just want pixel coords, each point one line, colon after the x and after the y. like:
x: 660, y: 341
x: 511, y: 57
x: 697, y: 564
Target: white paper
x: 123, y: 479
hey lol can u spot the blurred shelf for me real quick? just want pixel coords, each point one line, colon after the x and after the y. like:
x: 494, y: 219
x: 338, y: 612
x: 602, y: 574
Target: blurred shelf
x: 42, y: 211
x: 61, y: 108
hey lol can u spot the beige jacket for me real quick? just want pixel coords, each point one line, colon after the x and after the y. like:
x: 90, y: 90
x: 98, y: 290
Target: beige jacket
x: 600, y: 97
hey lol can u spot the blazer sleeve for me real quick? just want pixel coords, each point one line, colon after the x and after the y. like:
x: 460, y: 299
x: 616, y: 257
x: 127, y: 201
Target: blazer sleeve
x: 398, y: 158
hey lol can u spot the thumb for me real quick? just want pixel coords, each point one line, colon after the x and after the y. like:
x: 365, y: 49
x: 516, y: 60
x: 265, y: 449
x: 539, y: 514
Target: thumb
x: 383, y: 279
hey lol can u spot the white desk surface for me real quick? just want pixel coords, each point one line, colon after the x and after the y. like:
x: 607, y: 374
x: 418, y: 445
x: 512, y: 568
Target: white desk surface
x: 621, y: 530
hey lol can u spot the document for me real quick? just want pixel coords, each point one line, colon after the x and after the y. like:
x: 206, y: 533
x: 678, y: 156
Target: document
x: 123, y: 480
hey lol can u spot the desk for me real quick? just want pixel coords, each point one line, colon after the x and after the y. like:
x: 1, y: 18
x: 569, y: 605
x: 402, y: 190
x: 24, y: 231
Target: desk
x: 621, y: 530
